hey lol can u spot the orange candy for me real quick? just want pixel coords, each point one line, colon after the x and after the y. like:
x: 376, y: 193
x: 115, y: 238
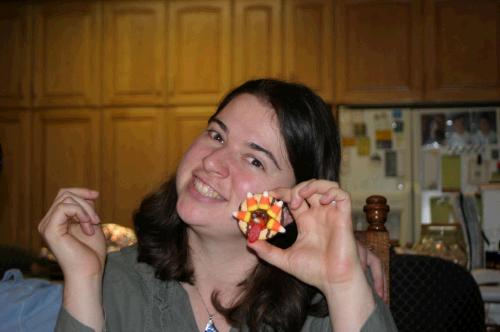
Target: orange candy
x: 275, y: 210
x: 252, y: 204
x: 264, y: 202
x: 275, y: 226
x: 259, y: 216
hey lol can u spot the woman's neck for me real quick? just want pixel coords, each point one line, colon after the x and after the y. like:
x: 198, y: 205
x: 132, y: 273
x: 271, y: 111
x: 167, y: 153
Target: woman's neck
x: 219, y: 264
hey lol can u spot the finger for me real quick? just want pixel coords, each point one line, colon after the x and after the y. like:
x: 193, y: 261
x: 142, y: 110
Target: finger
x: 269, y: 253
x: 85, y: 193
x: 323, y: 192
x: 86, y: 227
x: 339, y: 199
x: 318, y: 186
x: 91, y: 203
x: 291, y: 195
x: 51, y: 216
x: 313, y: 200
x: 84, y: 203
x: 61, y: 218
x: 377, y: 271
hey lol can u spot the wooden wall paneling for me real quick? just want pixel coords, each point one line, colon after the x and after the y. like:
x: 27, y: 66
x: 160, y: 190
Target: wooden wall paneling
x: 379, y: 51
x: 66, y: 53
x: 66, y: 154
x: 134, y: 53
x: 199, y: 59
x: 15, y: 182
x: 309, y: 44
x: 258, y: 40
x: 134, y: 160
x: 462, y: 50
x: 185, y: 125
x: 15, y: 46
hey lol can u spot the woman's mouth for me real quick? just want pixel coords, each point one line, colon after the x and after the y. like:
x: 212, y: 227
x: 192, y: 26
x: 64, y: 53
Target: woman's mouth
x: 205, y: 190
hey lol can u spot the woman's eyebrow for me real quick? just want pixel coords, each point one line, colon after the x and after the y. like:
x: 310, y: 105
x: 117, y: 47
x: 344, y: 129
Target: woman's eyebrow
x: 253, y: 146
x: 221, y: 124
x: 266, y: 152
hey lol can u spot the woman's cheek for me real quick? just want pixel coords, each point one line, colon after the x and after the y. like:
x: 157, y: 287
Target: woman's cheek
x: 244, y: 183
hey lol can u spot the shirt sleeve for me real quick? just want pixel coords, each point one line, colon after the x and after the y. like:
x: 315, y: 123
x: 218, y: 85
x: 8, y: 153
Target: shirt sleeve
x: 68, y: 323
x: 380, y: 320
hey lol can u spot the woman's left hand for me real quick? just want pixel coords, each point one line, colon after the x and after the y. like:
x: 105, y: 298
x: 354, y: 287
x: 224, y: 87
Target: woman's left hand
x: 325, y: 253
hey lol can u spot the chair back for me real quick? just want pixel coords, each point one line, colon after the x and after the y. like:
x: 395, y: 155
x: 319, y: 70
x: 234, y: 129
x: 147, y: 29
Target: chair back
x: 433, y: 294
x: 376, y: 237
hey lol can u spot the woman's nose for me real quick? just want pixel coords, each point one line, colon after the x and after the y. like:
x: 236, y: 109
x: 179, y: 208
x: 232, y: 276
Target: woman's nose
x: 217, y: 162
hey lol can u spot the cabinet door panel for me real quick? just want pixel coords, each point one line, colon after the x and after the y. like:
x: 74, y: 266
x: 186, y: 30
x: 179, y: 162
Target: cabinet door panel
x: 15, y: 42
x: 378, y: 46
x: 462, y: 50
x: 15, y: 133
x: 257, y: 39
x: 199, y: 52
x: 134, y: 160
x: 185, y: 125
x: 66, y: 154
x: 66, y: 54
x: 308, y: 44
x: 134, y: 53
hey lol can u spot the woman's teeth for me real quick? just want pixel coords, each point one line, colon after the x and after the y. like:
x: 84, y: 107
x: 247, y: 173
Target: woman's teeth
x: 205, y: 190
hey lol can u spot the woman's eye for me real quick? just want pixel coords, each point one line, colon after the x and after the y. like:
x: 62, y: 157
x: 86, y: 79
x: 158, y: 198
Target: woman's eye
x: 256, y: 163
x: 215, y: 136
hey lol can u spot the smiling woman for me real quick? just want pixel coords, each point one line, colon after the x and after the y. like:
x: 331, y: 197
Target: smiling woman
x: 192, y: 269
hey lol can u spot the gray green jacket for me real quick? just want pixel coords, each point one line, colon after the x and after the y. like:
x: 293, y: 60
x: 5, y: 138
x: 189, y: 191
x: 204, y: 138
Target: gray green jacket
x: 134, y: 300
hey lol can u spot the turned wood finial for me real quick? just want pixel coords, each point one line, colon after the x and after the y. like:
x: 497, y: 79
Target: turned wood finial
x: 376, y: 210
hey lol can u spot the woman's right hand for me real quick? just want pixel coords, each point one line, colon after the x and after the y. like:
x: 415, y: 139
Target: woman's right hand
x: 72, y: 230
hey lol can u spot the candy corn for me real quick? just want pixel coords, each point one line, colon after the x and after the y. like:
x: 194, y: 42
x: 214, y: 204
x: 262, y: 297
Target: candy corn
x: 242, y: 215
x: 275, y: 226
x: 264, y: 201
x: 252, y: 204
x: 275, y: 210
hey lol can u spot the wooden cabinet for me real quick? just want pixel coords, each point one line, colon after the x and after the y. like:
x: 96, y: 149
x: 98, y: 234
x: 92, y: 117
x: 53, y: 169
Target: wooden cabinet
x: 308, y: 50
x: 418, y: 51
x: 379, y: 51
x: 185, y: 124
x: 110, y: 94
x: 258, y: 39
x: 15, y: 180
x: 199, y: 66
x: 134, y: 160
x: 134, y: 53
x: 462, y: 50
x: 66, y: 153
x: 15, y: 45
x: 66, y: 54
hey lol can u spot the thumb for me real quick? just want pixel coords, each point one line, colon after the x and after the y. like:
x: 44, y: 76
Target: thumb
x: 269, y: 253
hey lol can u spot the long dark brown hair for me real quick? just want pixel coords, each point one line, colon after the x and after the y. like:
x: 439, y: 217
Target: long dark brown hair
x: 271, y: 298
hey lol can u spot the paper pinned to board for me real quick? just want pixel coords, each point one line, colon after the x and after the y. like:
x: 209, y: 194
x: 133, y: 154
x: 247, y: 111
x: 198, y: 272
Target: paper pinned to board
x: 490, y: 194
x: 363, y: 145
x: 450, y: 173
x: 431, y: 166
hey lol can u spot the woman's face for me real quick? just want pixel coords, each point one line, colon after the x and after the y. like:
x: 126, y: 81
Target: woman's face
x: 241, y: 151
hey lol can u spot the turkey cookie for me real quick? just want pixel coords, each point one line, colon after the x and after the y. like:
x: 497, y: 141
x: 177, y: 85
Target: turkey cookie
x: 259, y: 216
